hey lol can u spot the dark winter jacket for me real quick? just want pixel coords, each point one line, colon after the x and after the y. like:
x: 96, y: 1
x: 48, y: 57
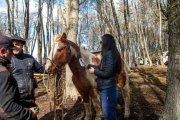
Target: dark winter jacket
x: 106, y: 76
x: 24, y: 65
x: 10, y: 108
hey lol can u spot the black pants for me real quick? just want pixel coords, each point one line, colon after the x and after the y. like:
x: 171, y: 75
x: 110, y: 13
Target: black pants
x: 28, y: 101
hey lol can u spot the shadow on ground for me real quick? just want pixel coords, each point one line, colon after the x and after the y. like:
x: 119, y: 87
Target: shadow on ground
x: 147, y: 98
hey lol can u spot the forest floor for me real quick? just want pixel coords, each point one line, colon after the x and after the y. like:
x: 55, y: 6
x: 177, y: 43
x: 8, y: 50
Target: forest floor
x: 148, y: 91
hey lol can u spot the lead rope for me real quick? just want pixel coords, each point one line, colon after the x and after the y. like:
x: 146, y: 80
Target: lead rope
x: 46, y: 85
x: 55, y: 87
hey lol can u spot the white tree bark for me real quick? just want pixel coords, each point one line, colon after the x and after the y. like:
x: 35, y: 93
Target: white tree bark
x: 69, y: 26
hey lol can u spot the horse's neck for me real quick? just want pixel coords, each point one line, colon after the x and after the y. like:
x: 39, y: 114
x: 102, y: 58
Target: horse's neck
x: 76, y: 68
x: 74, y: 64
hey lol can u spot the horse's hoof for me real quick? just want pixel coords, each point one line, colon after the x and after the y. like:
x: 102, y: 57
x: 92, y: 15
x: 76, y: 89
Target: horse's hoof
x: 126, y: 116
x: 87, y: 118
x: 98, y: 118
x: 58, y: 108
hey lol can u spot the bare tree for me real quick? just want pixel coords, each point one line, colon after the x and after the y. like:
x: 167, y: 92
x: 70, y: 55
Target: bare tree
x: 100, y: 17
x: 26, y: 23
x: 69, y: 19
x: 9, y: 16
x: 160, y: 27
x: 17, y: 30
x: 48, y: 22
x: 12, y: 18
x: 126, y: 39
x: 39, y: 30
x: 142, y: 31
x: 171, y: 109
x: 116, y: 22
x: 3, y: 22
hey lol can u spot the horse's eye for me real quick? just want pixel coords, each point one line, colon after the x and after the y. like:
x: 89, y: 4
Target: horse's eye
x: 59, y: 50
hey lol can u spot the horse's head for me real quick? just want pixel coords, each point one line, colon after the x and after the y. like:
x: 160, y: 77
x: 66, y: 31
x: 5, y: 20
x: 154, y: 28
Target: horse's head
x: 58, y: 56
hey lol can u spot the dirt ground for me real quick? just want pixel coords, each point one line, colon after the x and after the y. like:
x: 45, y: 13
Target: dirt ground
x: 148, y: 90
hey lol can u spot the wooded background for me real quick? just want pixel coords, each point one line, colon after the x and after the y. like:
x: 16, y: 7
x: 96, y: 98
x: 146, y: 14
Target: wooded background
x: 139, y: 26
x: 143, y: 29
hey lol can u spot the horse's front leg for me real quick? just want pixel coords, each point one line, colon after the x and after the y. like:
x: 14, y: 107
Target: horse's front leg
x: 85, y: 96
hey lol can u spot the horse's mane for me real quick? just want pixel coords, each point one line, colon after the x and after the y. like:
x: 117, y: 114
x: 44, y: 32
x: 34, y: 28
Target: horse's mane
x: 75, y: 50
x: 86, y: 55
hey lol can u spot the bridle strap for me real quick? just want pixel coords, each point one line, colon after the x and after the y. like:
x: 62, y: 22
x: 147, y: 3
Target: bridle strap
x: 54, y: 64
x: 62, y: 47
x: 52, y: 60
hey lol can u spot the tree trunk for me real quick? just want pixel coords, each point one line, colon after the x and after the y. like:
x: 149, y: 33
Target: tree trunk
x: 106, y: 17
x: 115, y: 18
x: 26, y: 24
x: 100, y: 17
x: 12, y: 18
x: 34, y: 37
x: 9, y: 16
x: 73, y: 20
x: 39, y: 31
x: 126, y: 40
x: 69, y: 25
x: 50, y: 26
x: 171, y: 109
x: 17, y: 30
x: 160, y: 31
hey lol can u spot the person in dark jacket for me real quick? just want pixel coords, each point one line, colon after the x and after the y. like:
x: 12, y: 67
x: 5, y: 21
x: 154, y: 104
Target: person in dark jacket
x: 23, y: 68
x: 10, y: 108
x: 106, y: 73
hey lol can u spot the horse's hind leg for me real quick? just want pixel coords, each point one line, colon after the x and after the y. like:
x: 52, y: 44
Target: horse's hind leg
x: 87, y: 106
x: 126, y: 91
x: 97, y: 105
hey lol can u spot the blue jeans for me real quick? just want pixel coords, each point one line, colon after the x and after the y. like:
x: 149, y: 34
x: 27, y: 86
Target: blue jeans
x: 108, y: 101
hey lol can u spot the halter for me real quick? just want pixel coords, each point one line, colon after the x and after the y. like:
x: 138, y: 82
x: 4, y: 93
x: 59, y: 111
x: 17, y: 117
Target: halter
x: 61, y: 48
x: 54, y: 64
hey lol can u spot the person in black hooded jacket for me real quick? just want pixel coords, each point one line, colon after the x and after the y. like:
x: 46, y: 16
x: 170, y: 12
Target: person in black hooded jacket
x: 23, y: 68
x: 106, y: 73
x: 10, y: 108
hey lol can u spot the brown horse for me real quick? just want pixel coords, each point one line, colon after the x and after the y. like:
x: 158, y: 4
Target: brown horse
x: 66, y: 52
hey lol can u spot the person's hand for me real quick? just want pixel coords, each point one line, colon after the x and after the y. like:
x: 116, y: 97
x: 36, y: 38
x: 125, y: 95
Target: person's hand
x: 9, y: 68
x: 91, y: 70
x: 34, y: 112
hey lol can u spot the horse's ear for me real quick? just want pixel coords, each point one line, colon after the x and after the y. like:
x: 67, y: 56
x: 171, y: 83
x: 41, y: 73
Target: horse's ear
x: 56, y: 37
x: 63, y: 37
